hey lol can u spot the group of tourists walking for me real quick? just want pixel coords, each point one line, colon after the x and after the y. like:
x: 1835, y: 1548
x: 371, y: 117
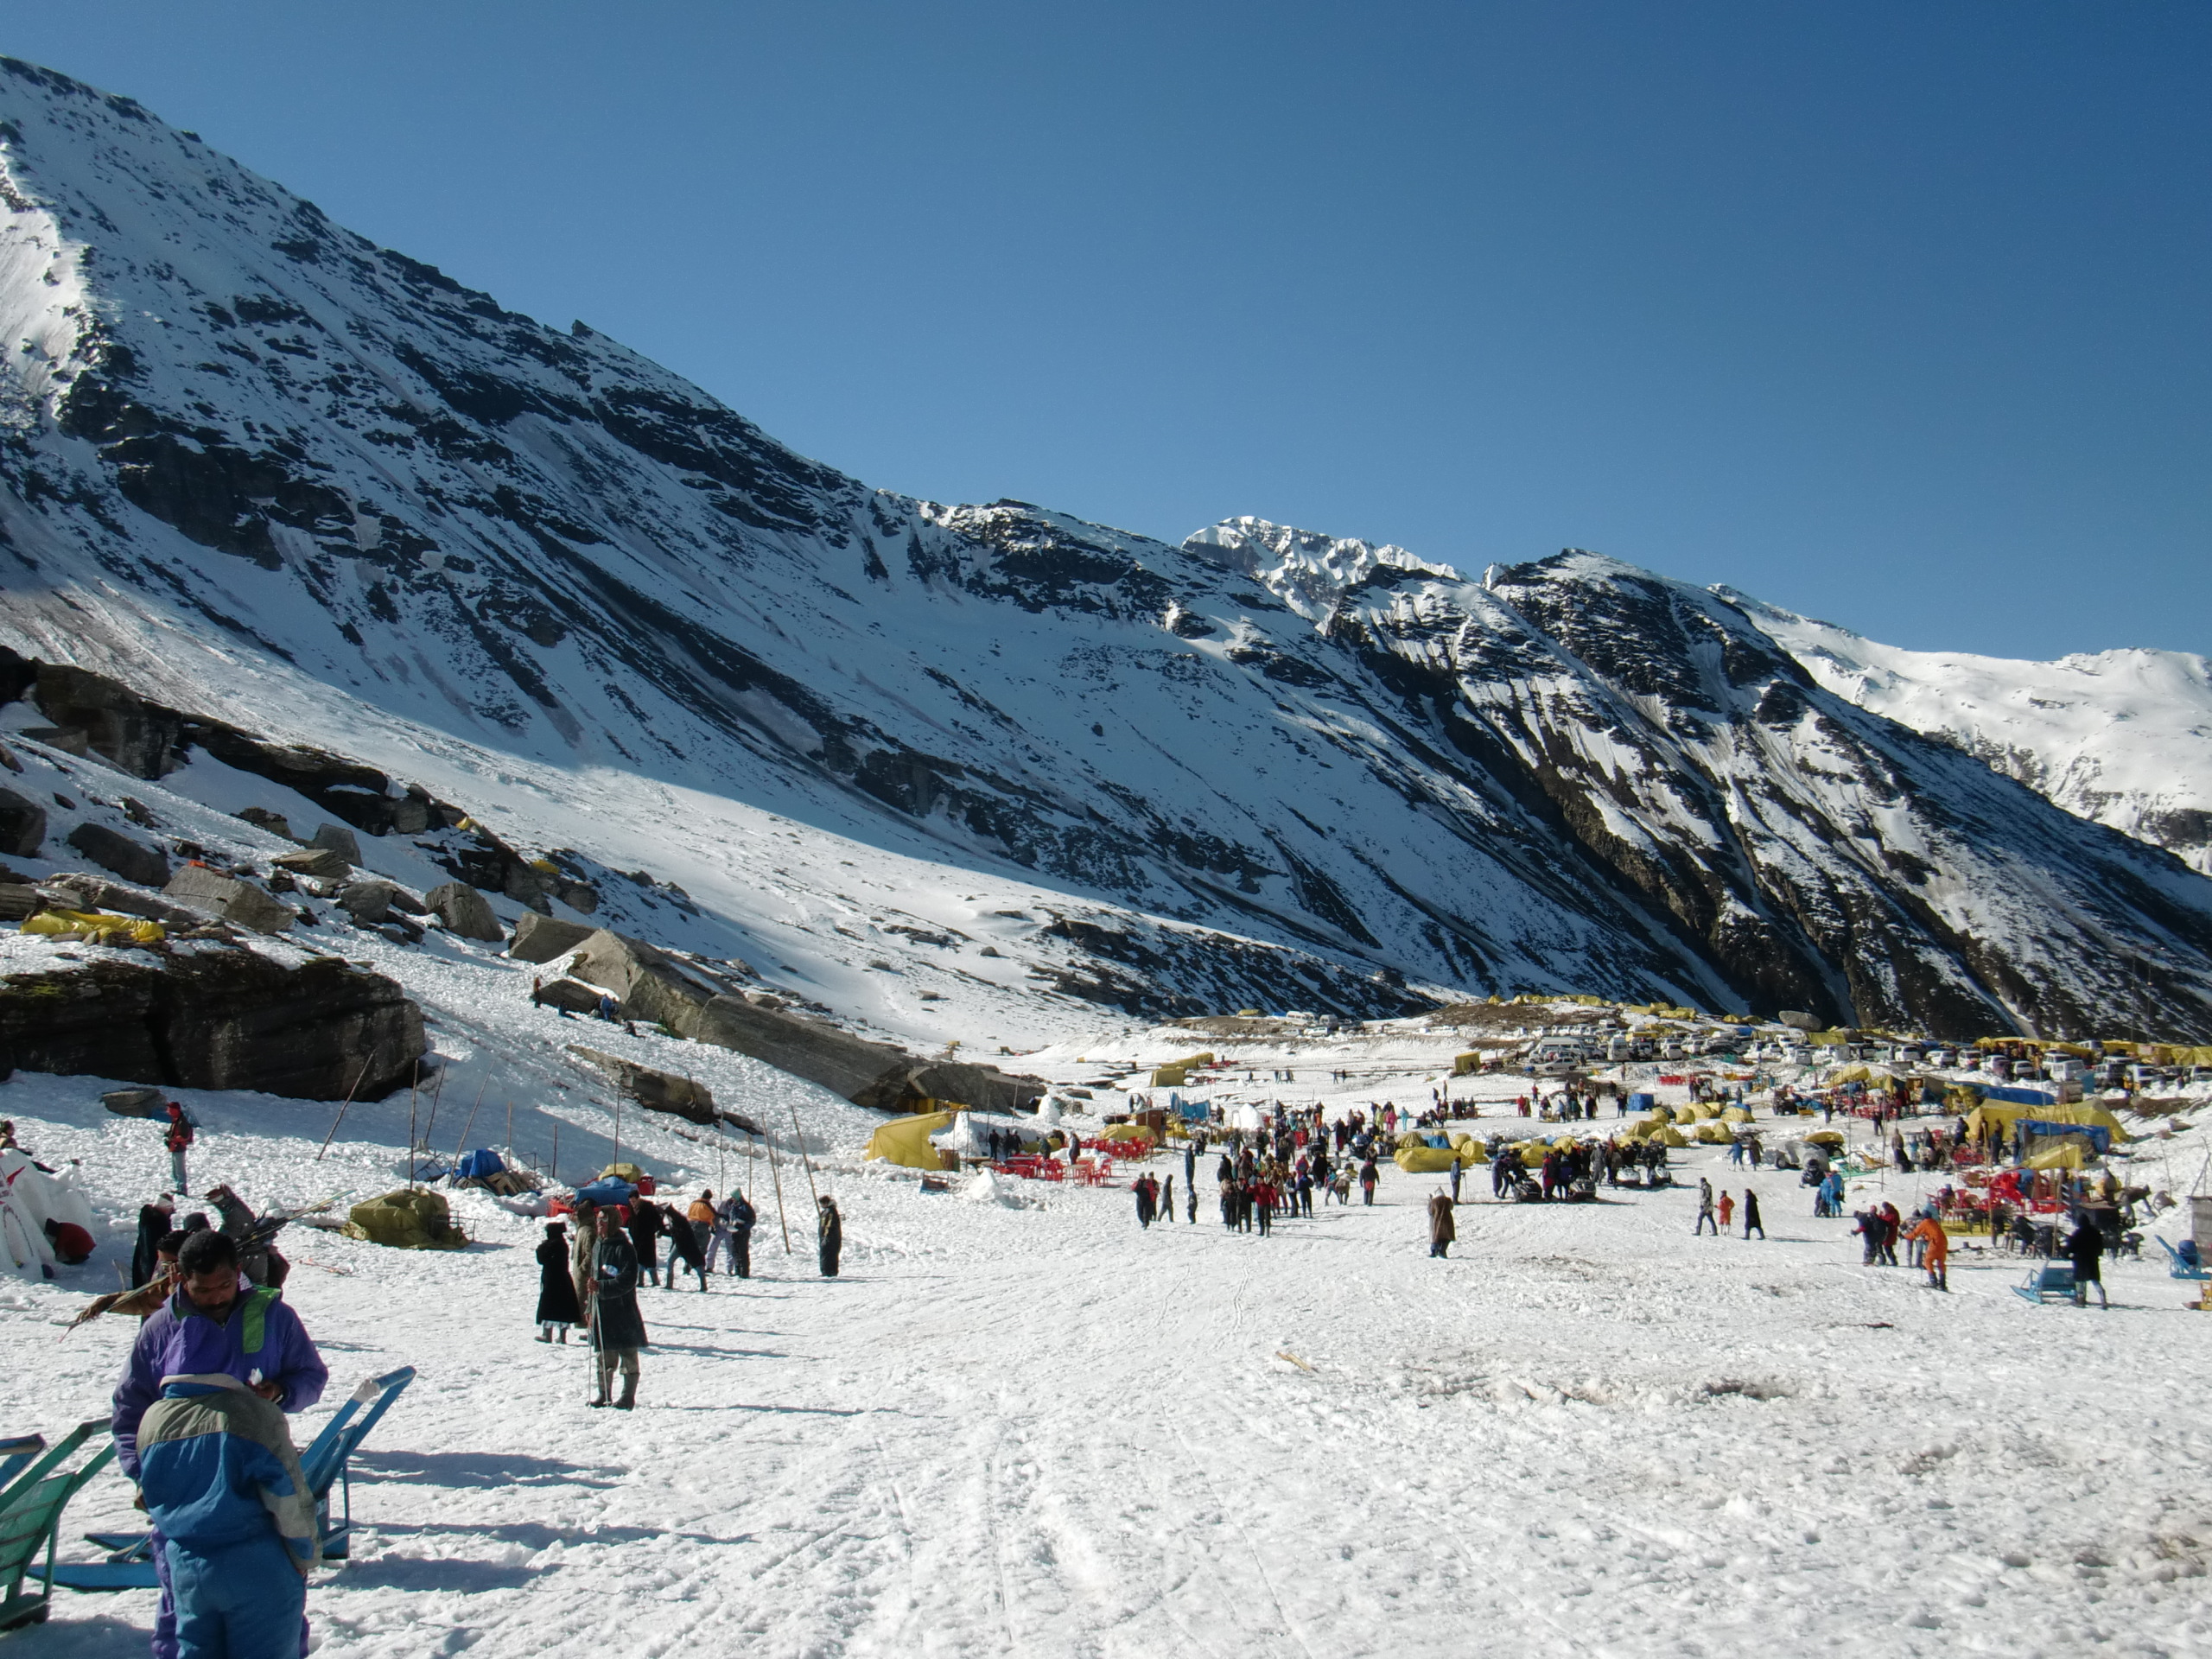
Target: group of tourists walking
x: 592, y: 1279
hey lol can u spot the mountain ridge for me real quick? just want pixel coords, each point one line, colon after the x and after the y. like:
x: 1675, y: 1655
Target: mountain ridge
x: 252, y: 460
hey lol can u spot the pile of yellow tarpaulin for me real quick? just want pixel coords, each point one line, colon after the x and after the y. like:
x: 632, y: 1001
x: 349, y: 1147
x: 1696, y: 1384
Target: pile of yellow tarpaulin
x: 96, y: 925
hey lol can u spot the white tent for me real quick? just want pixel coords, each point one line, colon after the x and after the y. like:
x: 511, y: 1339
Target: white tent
x: 29, y: 1197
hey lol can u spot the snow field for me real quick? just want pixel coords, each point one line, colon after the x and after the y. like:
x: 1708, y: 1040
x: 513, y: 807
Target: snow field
x: 1039, y: 1430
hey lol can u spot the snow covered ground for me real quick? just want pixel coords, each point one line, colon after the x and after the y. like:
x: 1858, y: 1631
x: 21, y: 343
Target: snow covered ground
x: 1039, y: 1430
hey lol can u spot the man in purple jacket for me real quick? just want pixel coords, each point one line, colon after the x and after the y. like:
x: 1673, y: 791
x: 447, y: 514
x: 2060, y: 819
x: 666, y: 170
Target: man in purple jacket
x: 215, y: 1323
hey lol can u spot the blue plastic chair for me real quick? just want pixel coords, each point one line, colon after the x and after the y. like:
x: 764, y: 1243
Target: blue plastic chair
x: 2186, y: 1263
x: 2046, y: 1281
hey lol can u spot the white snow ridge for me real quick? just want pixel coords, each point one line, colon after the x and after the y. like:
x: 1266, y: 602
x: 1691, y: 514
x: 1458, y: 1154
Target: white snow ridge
x: 298, y: 535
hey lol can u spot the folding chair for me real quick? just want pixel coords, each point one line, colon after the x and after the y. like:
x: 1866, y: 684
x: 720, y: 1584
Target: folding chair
x: 31, y: 1514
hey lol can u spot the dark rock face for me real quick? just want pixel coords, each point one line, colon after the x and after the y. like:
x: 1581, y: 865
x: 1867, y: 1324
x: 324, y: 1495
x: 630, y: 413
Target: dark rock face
x: 22, y: 825
x: 119, y: 855
x: 134, y: 735
x: 216, y: 1020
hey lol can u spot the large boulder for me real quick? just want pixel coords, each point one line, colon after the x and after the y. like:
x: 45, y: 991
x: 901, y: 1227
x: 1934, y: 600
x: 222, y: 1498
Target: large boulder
x: 22, y: 825
x: 337, y: 838
x: 216, y: 1020
x: 662, y: 1091
x: 466, y: 913
x: 316, y: 863
x: 540, y: 938
x: 20, y: 901
x: 79, y: 890
x: 840, y: 1062
x: 229, y: 898
x: 121, y: 855
x: 654, y: 986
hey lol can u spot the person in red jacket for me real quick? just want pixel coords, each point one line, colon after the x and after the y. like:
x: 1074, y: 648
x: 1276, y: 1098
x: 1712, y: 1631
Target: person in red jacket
x: 178, y: 1138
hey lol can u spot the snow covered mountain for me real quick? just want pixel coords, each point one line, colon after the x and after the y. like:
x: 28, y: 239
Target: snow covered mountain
x: 2121, y: 737
x: 259, y: 469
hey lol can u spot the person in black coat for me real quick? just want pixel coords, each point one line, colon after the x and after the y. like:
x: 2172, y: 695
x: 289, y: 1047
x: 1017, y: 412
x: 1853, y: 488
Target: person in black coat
x: 683, y: 1246
x: 644, y: 1235
x: 556, y: 1291
x: 618, y: 1331
x: 2087, y: 1247
x: 831, y: 1226
x: 155, y: 1224
x: 737, y: 1218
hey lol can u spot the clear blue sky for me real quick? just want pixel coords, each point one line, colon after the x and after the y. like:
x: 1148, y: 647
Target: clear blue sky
x: 1898, y: 313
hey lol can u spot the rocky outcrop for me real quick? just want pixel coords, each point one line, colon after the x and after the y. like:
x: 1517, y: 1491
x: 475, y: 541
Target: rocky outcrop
x: 317, y: 864
x: 464, y: 911
x: 229, y: 898
x: 22, y: 825
x: 541, y: 939
x: 216, y: 1019
x: 663, y: 1091
x: 120, y: 855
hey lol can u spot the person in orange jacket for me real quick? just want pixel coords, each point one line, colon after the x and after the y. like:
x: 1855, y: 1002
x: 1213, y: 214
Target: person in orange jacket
x: 1929, y: 1233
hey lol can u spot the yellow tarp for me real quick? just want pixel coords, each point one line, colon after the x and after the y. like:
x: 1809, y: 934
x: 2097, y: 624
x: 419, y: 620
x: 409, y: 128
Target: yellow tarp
x: 1466, y: 1064
x: 1426, y: 1160
x: 906, y: 1141
x: 1712, y: 1134
x: 406, y: 1220
x: 96, y: 925
x: 1736, y: 1114
x: 1128, y: 1132
x: 2064, y: 1154
x: 1175, y: 1074
x: 629, y: 1172
x: 1826, y: 1137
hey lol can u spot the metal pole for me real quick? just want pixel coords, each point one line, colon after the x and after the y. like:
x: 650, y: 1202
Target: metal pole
x: 556, y: 1152
x: 510, y: 1129
x: 412, y: 1090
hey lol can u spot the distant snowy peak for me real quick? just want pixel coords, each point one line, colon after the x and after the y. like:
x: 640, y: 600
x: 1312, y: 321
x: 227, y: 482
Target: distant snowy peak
x: 2122, y: 738
x: 1306, y: 570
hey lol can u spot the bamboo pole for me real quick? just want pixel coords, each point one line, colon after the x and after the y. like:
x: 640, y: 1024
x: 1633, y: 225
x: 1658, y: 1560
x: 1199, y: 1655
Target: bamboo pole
x: 413, y: 1090
x: 460, y: 1145
x: 776, y: 1171
x: 344, y: 1103
x: 437, y: 1095
x: 556, y: 1152
x: 799, y: 1135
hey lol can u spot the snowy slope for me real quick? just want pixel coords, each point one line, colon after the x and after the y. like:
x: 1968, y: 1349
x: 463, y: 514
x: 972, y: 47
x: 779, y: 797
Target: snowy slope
x: 2121, y: 737
x: 259, y: 469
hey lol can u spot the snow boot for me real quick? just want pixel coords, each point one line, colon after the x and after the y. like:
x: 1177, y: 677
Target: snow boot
x: 629, y: 1399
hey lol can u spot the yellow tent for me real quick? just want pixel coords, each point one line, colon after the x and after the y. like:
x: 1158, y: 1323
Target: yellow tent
x: 1128, y: 1132
x: 2059, y: 1154
x: 1466, y: 1064
x: 1713, y: 1135
x: 906, y: 1141
x: 1736, y: 1114
x: 1424, y: 1161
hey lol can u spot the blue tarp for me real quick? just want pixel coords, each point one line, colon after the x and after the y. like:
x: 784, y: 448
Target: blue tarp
x: 1641, y: 1103
x: 609, y: 1191
x: 478, y: 1164
x: 2021, y: 1096
x: 1190, y: 1110
x: 2096, y: 1134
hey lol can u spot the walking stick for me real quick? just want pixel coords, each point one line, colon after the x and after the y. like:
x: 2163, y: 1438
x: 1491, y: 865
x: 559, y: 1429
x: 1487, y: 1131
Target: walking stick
x: 344, y: 1103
